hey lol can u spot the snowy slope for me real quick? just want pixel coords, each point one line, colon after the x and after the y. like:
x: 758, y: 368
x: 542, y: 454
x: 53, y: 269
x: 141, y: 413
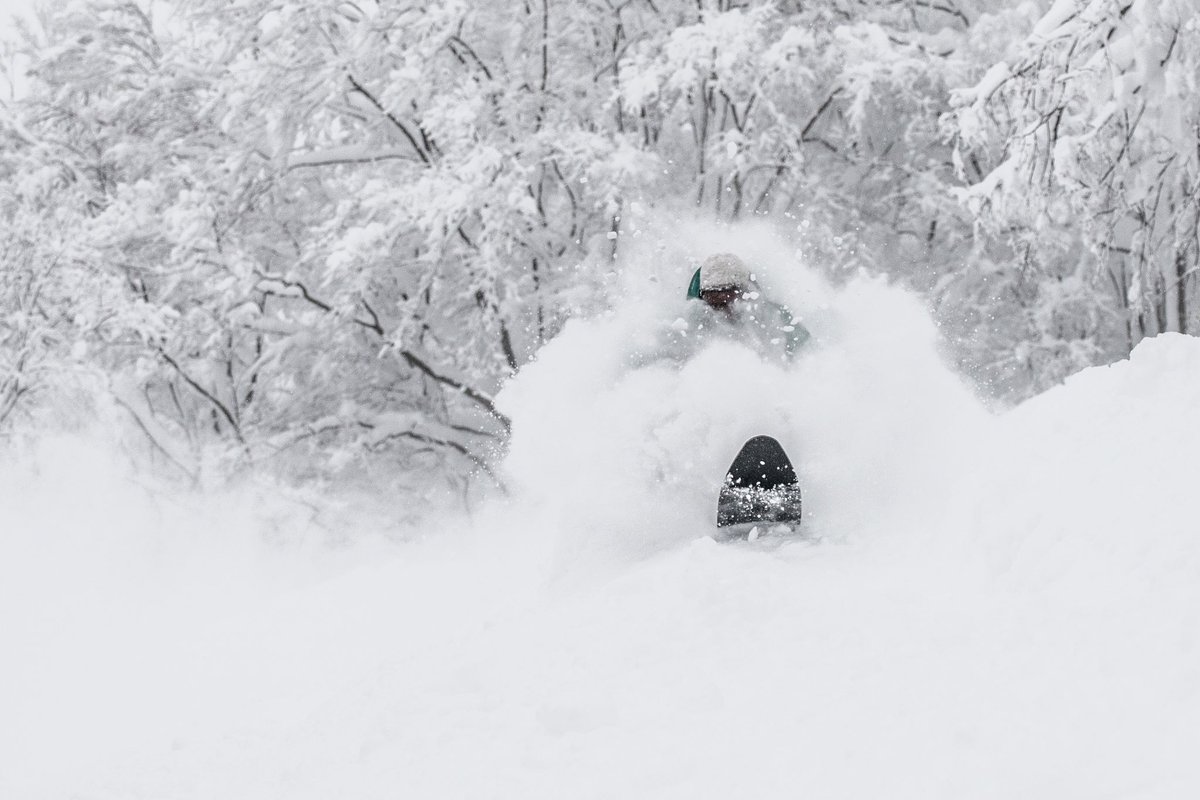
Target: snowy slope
x: 997, y: 606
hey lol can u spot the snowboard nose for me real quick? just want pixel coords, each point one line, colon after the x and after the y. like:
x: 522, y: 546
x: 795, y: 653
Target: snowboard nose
x: 762, y: 463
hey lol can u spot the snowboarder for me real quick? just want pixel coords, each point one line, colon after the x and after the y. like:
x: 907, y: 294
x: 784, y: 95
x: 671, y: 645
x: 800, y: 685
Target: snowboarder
x: 732, y: 305
x: 761, y: 492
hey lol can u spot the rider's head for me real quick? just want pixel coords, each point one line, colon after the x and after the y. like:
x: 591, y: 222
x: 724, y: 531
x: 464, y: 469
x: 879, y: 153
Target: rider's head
x: 722, y: 280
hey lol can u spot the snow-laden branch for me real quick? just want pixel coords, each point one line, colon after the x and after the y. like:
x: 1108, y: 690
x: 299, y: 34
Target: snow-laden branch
x: 289, y: 288
x: 348, y: 154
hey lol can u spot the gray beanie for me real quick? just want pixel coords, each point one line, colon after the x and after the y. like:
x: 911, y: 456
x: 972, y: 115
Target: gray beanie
x: 723, y: 270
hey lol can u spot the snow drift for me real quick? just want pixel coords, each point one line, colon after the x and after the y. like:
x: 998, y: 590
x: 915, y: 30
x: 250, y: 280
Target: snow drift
x: 996, y: 606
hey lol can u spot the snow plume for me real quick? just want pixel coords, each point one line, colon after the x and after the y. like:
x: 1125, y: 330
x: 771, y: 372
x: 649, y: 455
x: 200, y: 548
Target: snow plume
x: 621, y: 453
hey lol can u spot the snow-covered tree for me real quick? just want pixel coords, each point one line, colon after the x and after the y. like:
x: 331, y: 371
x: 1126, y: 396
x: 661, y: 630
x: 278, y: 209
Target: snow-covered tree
x: 337, y: 228
x: 822, y: 112
x: 1088, y: 128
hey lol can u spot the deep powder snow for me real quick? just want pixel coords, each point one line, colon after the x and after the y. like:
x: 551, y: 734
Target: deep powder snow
x: 989, y: 606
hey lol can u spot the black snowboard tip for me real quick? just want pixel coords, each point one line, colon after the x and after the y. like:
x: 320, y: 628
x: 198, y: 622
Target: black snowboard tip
x: 761, y: 463
x: 760, y: 487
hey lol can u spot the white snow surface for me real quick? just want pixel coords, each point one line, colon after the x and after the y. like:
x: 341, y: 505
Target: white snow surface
x: 988, y: 607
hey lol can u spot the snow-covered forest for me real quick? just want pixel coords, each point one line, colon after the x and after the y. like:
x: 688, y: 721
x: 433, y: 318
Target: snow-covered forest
x: 316, y: 237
